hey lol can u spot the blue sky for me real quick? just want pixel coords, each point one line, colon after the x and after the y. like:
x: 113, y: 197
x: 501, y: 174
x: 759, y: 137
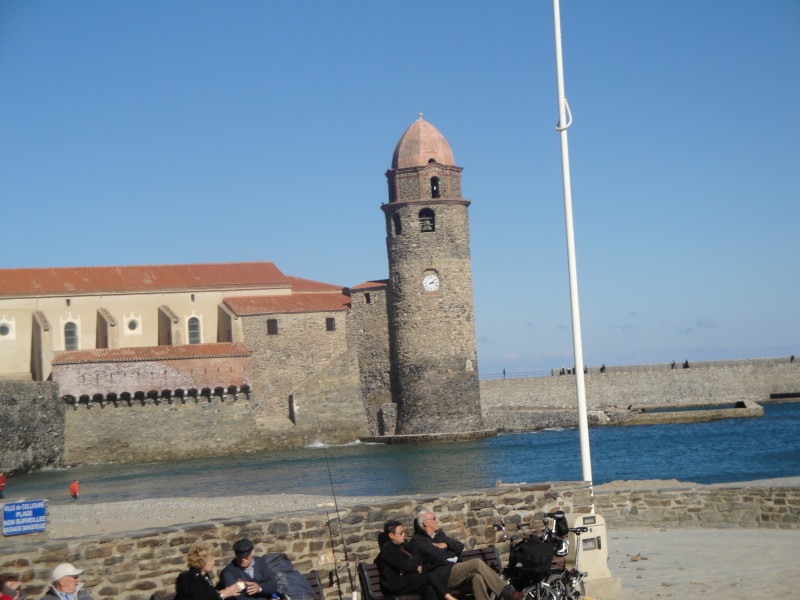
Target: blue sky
x: 172, y: 132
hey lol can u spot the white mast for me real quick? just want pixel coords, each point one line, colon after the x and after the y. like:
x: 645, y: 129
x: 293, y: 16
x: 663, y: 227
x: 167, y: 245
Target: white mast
x: 577, y: 344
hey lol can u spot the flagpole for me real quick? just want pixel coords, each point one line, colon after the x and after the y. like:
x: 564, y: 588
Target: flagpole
x: 577, y: 344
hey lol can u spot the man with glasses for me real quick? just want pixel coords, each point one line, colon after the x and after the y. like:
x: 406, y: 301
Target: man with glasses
x: 429, y: 541
x: 65, y: 584
x: 439, y: 552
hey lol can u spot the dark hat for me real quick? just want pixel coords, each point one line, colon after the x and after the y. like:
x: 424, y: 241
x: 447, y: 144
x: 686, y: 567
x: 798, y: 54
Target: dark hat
x: 243, y: 548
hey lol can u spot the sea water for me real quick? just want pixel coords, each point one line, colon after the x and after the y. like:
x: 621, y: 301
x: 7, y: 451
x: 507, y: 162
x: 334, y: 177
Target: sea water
x: 729, y: 450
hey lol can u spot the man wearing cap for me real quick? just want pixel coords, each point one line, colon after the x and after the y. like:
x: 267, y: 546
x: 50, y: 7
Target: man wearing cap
x: 65, y: 584
x: 254, y: 571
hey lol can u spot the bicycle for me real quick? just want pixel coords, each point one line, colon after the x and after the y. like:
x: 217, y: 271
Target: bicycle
x: 532, y: 582
x: 566, y: 583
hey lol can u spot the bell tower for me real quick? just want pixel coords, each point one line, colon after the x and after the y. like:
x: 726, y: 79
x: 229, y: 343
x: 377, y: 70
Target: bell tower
x: 431, y: 315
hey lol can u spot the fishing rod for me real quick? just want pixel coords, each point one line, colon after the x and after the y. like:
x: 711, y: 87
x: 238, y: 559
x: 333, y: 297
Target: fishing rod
x: 333, y: 550
x: 339, y: 521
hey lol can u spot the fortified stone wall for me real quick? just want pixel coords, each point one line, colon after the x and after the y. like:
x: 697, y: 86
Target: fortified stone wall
x: 712, y: 384
x: 154, y: 429
x: 31, y: 426
x: 328, y: 408
x: 283, y: 362
x: 368, y: 332
x: 136, y: 565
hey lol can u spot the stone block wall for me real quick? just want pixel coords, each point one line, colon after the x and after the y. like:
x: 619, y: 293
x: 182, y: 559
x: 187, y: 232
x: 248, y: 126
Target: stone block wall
x: 368, y: 333
x: 151, y: 430
x: 328, y: 408
x: 31, y: 426
x: 283, y: 362
x: 136, y: 565
x: 715, y: 506
x: 707, y: 384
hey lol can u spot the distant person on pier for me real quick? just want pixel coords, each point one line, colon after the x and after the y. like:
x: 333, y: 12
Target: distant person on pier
x: 603, y: 368
x: 686, y: 364
x: 562, y: 371
x: 504, y: 373
x: 74, y: 490
x: 65, y: 584
x: 672, y: 366
x: 585, y: 369
x: 791, y: 360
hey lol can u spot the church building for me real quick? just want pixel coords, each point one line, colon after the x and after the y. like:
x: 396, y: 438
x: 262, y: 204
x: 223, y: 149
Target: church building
x: 310, y: 361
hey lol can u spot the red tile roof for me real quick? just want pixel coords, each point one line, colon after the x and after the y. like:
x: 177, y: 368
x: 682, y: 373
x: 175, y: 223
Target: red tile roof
x: 371, y: 285
x: 147, y: 353
x: 302, y: 286
x: 296, y: 303
x: 75, y: 281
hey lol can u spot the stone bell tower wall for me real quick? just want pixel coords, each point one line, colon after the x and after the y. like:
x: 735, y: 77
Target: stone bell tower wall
x: 435, y: 372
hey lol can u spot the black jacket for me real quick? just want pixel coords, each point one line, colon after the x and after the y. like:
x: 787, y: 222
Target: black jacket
x: 194, y: 585
x: 263, y: 575
x: 398, y: 568
x: 432, y: 556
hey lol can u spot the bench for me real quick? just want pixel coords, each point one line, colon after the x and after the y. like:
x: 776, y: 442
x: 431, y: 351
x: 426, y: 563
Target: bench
x: 312, y: 577
x: 369, y: 578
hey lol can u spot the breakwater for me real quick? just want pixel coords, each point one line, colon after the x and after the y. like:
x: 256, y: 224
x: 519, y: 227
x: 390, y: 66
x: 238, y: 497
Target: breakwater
x: 135, y: 565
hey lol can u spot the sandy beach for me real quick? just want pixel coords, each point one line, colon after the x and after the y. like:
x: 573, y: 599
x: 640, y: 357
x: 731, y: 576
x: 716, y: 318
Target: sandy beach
x: 652, y: 563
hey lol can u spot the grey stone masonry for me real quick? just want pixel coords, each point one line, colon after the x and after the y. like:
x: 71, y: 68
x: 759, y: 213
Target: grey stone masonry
x: 368, y: 331
x: 31, y: 426
x: 432, y: 331
x: 135, y: 565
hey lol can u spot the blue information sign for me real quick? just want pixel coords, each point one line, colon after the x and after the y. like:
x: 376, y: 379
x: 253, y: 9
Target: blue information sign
x: 24, y: 517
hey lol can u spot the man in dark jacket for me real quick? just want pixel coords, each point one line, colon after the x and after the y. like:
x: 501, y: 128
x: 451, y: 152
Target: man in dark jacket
x: 401, y: 571
x: 439, y: 552
x: 259, y: 579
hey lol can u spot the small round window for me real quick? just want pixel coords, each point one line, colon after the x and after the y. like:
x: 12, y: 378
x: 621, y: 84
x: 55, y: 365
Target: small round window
x: 133, y: 325
x: 4, y: 329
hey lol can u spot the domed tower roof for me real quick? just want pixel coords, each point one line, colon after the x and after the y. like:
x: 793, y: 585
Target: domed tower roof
x: 421, y: 144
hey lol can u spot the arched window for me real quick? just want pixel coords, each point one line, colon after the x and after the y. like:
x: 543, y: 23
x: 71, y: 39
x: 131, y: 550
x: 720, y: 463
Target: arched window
x: 194, y: 330
x: 398, y: 227
x: 434, y: 187
x: 427, y: 220
x: 70, y: 336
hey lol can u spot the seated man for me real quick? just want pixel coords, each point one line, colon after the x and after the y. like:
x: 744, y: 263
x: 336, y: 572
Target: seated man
x: 254, y: 571
x: 432, y: 543
x: 65, y: 584
x: 440, y: 553
x: 401, y: 571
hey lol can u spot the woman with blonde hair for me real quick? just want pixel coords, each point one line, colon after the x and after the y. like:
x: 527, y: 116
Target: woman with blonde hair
x: 196, y: 584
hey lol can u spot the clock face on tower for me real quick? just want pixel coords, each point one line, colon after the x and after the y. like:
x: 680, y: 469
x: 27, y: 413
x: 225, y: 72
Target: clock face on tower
x: 430, y: 283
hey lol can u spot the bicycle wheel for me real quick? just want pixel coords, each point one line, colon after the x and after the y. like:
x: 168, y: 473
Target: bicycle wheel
x: 559, y: 586
x: 540, y: 591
